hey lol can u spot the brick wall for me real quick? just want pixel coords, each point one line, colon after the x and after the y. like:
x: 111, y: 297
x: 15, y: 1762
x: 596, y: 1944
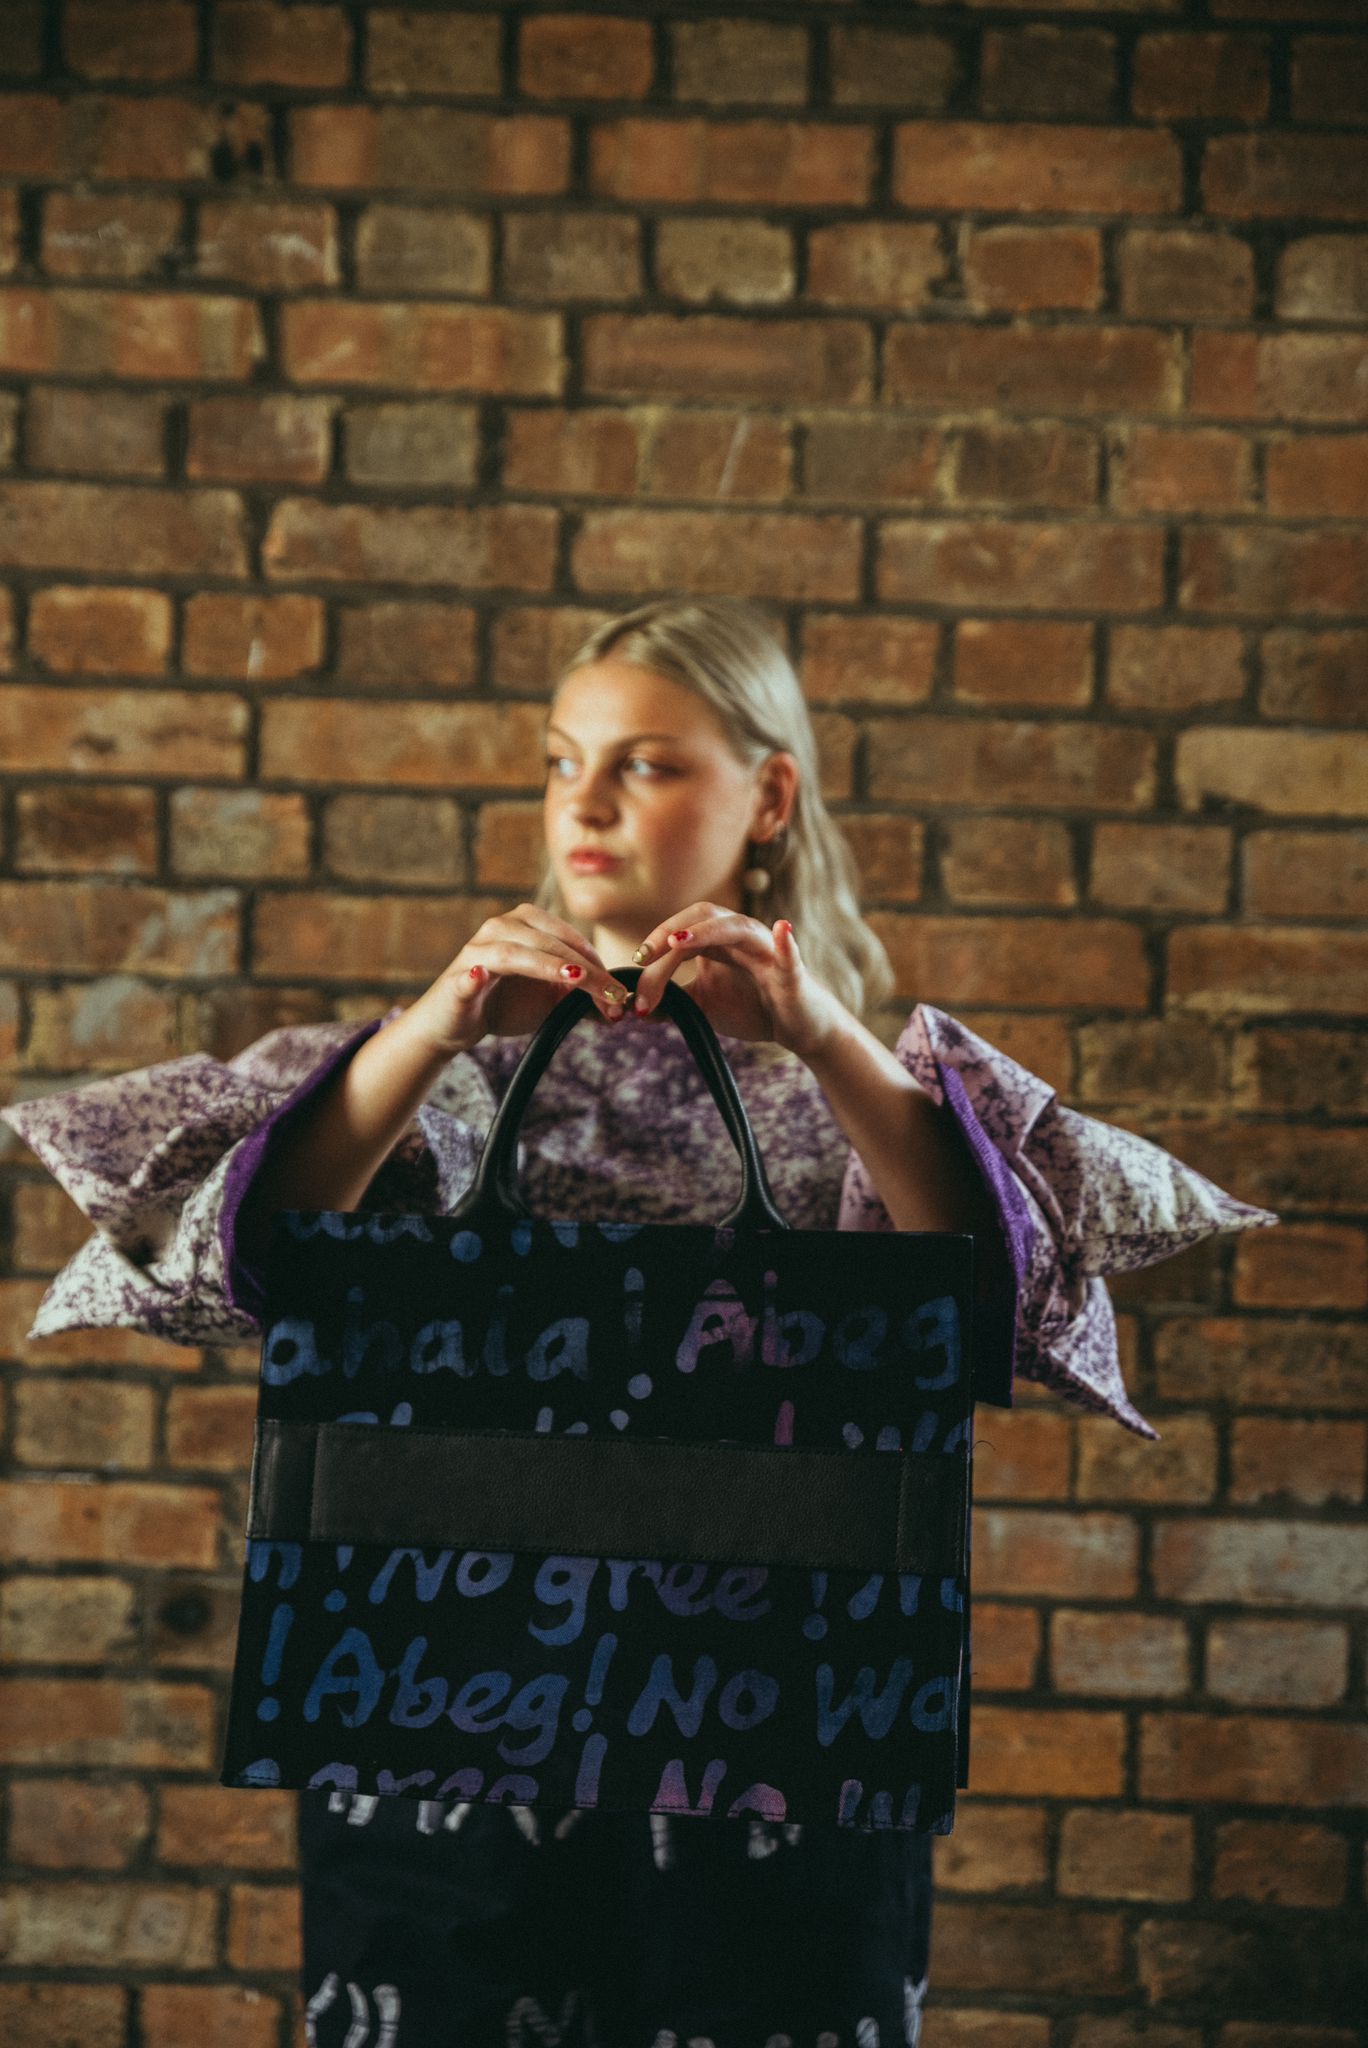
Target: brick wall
x: 353, y: 361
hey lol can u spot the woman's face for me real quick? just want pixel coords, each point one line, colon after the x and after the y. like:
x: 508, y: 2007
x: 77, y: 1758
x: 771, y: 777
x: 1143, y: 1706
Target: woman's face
x: 647, y: 808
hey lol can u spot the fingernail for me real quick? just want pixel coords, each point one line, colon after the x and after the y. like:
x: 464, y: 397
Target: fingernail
x: 615, y: 995
x: 642, y: 954
x: 639, y: 1007
x: 478, y: 974
x: 681, y: 937
x: 571, y: 972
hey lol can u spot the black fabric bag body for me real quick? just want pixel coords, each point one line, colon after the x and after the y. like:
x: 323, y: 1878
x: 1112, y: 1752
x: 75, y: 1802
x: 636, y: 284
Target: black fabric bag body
x: 657, y: 1517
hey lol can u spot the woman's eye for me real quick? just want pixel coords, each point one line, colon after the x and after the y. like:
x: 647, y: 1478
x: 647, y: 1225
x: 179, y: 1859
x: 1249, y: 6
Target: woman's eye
x: 555, y: 763
x: 651, y: 767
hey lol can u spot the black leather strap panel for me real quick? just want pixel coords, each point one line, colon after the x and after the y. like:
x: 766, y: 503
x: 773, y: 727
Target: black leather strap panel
x: 724, y: 1503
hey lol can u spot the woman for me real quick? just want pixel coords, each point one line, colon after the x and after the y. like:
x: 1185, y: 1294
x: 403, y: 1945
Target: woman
x: 684, y: 831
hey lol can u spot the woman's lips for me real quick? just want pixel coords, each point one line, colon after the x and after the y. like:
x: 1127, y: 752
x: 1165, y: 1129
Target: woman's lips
x: 589, y: 862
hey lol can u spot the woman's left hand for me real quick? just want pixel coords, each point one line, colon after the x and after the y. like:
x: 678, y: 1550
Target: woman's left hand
x: 750, y: 981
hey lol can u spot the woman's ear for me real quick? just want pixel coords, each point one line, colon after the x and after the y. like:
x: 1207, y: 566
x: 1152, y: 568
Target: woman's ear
x: 776, y: 792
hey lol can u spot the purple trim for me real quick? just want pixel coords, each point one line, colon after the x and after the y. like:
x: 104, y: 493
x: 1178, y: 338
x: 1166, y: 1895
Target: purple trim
x: 243, y: 1281
x: 996, y: 1305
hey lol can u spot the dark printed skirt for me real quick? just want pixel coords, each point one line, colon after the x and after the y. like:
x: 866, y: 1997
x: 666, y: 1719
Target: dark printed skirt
x: 429, y: 1925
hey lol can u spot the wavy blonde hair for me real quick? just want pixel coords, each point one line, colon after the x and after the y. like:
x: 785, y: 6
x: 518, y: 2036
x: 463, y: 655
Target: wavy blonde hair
x: 726, y: 651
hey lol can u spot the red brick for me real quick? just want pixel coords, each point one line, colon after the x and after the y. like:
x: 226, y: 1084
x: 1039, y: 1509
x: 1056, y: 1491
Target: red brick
x: 533, y: 642
x: 94, y: 631
x: 1279, y: 1564
x: 422, y: 347
x: 1012, y: 269
x: 389, y: 647
x: 1300, y: 1070
x: 79, y: 826
x: 106, y: 732
x: 126, y: 235
x: 994, y: 1847
x: 1019, y: 564
x: 1057, y: 764
x: 73, y: 1824
x: 403, y: 249
x: 21, y: 44
x: 1284, y: 175
x: 159, y: 140
x: 1279, y: 1863
x: 1181, y: 77
x: 1041, y: 71
x: 1273, y: 1362
x: 1181, y: 469
x: 257, y: 42
x: 1040, y: 1550
x: 1219, y: 970
x: 1307, y: 1463
x: 1115, y: 1465
x: 1318, y: 475
x: 242, y: 834
x: 1006, y: 1647
x: 276, y: 438
x: 1306, y: 874
x: 9, y: 232
x: 211, y: 2015
x: 1285, y: 1166
x: 1275, y: 568
x: 150, y: 40
x: 315, y: 934
x: 1120, y: 1656
x: 1218, y: 1758
x: 1023, y: 661
x: 1177, y: 274
x: 782, y: 556
x: 116, y: 1523
x: 1022, y: 1456
x: 598, y: 256
x: 1041, y: 167
x: 429, y: 149
x: 1323, y: 277
x: 888, y: 855
x: 508, y: 846
x: 1038, y: 1042
x: 104, y: 528
x: 152, y: 335
x: 1060, y: 962
x: 1161, y: 867
x: 268, y: 244
x: 1036, y: 1950
x: 256, y: 639
x: 396, y: 839
x: 890, y: 67
x: 426, y: 445
x: 418, y: 744
x: 263, y: 1927
x: 63, y: 2015
x: 33, y: 141
x: 1008, y: 860
x: 74, y: 1619
x: 1175, y: 668
x: 723, y: 61
x: 897, y: 264
x: 1122, y: 2030
x: 76, y: 1422
x: 1329, y: 79
x: 1277, y: 1663
x: 212, y: 1824
x: 1118, y: 1855
x: 102, y: 432
x: 1280, y: 376
x: 581, y: 56
x: 466, y: 545
x: 1073, y: 369
x: 869, y: 660
x: 87, y: 1925
x: 1316, y: 774
x: 760, y: 162
x: 116, y: 926
x: 409, y: 51
x: 714, y: 356
x: 108, y: 1724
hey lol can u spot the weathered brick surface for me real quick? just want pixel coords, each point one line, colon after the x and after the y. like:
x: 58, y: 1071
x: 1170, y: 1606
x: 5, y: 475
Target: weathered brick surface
x: 358, y: 360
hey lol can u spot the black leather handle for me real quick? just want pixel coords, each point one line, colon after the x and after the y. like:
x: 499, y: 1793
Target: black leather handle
x: 493, y: 1193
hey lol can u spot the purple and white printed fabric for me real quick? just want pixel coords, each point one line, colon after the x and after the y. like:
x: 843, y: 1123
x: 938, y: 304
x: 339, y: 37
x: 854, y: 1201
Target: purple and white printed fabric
x: 621, y: 1128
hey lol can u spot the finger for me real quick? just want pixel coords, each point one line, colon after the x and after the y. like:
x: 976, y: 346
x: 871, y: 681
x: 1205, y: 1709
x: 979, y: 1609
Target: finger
x: 538, y: 919
x: 730, y: 938
x: 655, y: 942
x: 510, y: 957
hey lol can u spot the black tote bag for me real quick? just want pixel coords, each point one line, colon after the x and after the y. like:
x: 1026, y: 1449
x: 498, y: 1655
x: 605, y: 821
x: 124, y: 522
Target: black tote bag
x: 660, y: 1517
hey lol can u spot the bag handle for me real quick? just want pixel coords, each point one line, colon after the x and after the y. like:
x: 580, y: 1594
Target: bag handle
x: 494, y: 1192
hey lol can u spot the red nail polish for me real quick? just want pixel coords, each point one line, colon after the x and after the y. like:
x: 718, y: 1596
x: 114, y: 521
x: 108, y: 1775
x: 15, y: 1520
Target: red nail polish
x: 683, y: 937
x: 571, y: 971
x: 478, y: 974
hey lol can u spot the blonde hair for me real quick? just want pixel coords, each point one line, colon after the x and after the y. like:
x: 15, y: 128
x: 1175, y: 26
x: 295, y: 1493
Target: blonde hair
x: 726, y: 651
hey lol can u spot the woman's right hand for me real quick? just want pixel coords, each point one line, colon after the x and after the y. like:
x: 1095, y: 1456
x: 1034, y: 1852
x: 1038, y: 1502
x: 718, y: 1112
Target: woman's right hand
x: 508, y: 976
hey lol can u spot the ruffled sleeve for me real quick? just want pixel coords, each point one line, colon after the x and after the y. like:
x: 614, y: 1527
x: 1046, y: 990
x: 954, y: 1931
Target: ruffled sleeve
x: 161, y: 1160
x: 1076, y: 1199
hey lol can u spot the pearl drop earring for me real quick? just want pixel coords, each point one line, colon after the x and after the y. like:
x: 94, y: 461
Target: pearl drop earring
x: 756, y: 879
